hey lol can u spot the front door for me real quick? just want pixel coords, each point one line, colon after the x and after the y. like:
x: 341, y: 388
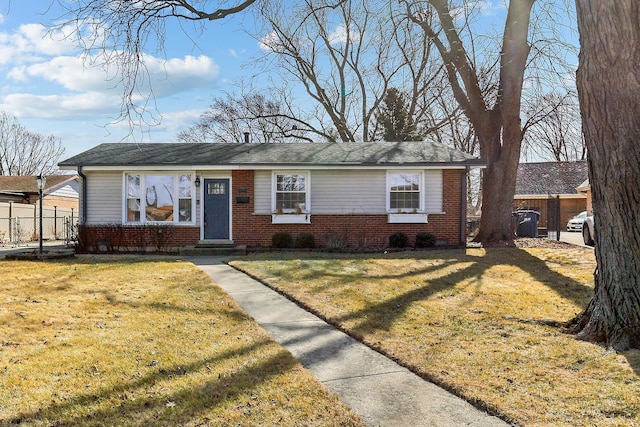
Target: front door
x: 216, y: 209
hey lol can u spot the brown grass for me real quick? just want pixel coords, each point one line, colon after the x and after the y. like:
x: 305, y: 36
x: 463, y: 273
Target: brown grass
x: 478, y: 322
x: 126, y: 342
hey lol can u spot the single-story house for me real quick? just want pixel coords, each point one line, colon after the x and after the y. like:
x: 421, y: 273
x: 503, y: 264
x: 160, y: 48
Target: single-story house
x: 60, y: 190
x: 537, y: 182
x: 190, y: 194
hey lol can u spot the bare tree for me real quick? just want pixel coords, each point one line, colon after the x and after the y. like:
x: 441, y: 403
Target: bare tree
x: 608, y: 82
x: 554, y: 131
x: 255, y: 116
x: 347, y: 55
x: 116, y: 34
x: 26, y: 153
x: 494, y: 114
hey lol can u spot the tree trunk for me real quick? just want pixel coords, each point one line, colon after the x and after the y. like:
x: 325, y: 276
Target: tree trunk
x: 608, y: 81
x: 500, y: 130
x: 498, y: 189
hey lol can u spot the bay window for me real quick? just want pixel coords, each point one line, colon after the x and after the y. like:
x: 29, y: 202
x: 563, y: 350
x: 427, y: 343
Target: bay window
x: 159, y: 198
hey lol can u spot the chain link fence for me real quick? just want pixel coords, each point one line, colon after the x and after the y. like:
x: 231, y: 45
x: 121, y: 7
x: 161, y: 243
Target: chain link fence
x: 20, y: 223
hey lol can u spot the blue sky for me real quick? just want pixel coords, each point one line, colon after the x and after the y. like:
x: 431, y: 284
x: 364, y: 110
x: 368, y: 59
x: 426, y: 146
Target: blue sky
x: 51, y: 91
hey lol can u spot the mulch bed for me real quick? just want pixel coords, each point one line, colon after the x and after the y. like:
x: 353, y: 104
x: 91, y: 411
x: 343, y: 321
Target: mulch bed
x: 541, y: 242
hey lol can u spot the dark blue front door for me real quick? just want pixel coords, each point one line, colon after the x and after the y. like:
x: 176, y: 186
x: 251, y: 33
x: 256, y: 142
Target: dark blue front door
x: 216, y: 209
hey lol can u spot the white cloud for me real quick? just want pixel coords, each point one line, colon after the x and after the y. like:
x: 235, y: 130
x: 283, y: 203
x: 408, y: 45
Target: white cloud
x: 339, y: 35
x: 233, y: 53
x: 31, y: 42
x: 166, y: 76
x: 1, y: 18
x: 177, y: 75
x: 75, y: 107
x: 483, y: 7
x: 270, y: 42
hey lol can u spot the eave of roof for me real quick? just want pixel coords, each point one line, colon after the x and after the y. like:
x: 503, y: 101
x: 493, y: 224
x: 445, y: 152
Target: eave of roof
x: 27, y: 183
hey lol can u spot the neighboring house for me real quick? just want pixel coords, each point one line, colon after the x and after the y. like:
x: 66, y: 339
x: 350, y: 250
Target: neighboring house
x: 537, y: 182
x: 242, y: 194
x: 60, y: 190
x: 585, y: 188
x: 19, y: 207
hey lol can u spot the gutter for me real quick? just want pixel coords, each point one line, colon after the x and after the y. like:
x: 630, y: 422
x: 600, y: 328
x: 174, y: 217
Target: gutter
x: 463, y: 207
x: 83, y: 199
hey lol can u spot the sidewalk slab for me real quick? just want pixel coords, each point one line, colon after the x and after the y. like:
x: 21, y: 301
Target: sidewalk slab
x: 376, y: 388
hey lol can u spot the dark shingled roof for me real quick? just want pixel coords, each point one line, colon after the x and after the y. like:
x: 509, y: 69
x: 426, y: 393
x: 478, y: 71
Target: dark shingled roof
x: 550, y: 177
x: 301, y: 154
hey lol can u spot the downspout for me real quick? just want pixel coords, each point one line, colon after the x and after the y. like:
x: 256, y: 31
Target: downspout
x: 83, y: 198
x: 463, y: 207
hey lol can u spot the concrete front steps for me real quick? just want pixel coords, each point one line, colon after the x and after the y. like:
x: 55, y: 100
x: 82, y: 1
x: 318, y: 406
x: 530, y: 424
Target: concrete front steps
x: 214, y: 248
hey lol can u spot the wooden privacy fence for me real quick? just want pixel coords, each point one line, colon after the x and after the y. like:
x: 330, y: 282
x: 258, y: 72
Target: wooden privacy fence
x: 20, y: 223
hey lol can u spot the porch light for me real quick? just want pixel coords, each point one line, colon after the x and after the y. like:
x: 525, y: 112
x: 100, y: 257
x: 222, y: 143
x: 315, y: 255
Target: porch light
x: 197, y: 182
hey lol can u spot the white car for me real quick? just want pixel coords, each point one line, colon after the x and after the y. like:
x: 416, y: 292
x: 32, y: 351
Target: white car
x: 575, y: 223
x: 589, y: 231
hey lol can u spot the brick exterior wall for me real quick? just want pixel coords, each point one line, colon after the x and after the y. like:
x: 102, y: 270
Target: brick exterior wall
x: 371, y: 231
x: 142, y: 238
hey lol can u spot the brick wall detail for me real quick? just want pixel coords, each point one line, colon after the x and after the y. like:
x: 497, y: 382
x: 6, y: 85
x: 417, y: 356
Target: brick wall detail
x: 359, y: 230
x: 138, y: 238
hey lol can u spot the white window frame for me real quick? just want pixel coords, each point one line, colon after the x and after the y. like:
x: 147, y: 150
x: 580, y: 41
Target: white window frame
x: 421, y: 190
x: 176, y: 197
x: 407, y: 216
x: 307, y: 190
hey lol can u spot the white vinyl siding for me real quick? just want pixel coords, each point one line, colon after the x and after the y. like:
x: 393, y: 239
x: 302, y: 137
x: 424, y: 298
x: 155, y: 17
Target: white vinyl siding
x: 433, y: 191
x: 262, y: 192
x: 104, y: 201
x: 331, y: 191
x: 348, y: 191
x: 68, y: 190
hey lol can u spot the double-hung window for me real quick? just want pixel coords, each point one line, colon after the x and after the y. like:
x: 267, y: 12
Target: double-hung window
x: 291, y: 192
x: 159, y: 198
x: 405, y: 192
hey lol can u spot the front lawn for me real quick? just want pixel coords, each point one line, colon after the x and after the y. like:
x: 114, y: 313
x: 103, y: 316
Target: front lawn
x: 143, y: 342
x: 481, y: 323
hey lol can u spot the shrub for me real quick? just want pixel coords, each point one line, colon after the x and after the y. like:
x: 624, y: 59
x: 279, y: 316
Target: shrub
x: 335, y: 241
x: 305, y: 240
x: 398, y: 240
x: 425, y: 239
x: 281, y: 240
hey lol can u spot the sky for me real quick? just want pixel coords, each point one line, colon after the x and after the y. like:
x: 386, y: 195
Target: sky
x: 51, y: 90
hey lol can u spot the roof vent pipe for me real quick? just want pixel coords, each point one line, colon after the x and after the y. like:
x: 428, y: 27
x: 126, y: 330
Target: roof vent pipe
x: 246, y: 138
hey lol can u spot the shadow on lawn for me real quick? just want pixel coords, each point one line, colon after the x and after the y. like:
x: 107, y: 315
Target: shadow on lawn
x: 384, y: 314
x: 144, y: 409
x: 633, y: 358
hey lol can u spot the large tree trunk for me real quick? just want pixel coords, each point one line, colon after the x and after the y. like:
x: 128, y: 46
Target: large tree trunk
x: 608, y: 81
x: 500, y: 130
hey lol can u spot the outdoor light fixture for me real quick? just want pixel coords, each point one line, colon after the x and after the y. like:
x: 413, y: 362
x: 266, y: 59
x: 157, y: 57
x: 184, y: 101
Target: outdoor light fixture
x: 41, y: 181
x: 197, y: 182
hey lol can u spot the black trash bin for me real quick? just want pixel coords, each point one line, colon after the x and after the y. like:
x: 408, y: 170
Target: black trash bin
x: 527, y: 223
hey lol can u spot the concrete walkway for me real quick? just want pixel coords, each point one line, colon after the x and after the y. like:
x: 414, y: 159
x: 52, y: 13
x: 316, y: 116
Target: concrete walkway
x: 8, y: 249
x: 377, y: 389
